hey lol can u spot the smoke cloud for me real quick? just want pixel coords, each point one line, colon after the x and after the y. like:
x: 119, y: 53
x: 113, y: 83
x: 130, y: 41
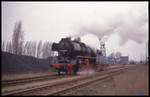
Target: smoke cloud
x: 130, y: 23
x: 86, y: 72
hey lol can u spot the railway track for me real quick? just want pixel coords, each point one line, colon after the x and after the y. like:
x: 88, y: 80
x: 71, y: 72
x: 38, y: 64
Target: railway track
x: 61, y: 88
x: 65, y: 89
x: 22, y: 81
x: 29, y: 80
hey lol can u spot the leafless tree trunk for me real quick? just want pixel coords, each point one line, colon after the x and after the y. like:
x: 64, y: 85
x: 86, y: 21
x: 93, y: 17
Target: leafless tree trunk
x: 34, y: 49
x: 50, y: 50
x: 44, y: 50
x: 7, y: 47
x: 10, y: 50
x: 39, y: 47
x: 47, y: 50
x: 18, y: 38
x: 3, y: 46
x: 29, y: 48
x: 25, y: 49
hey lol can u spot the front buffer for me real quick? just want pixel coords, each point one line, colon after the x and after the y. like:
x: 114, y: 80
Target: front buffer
x: 65, y: 68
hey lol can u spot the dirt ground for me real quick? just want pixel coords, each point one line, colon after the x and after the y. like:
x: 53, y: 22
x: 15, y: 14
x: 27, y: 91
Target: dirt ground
x: 133, y: 81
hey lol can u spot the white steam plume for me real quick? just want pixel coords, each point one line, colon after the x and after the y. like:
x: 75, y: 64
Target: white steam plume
x: 129, y: 23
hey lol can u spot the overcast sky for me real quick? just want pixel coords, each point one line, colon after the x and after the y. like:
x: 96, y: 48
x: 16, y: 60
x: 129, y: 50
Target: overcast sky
x: 123, y: 25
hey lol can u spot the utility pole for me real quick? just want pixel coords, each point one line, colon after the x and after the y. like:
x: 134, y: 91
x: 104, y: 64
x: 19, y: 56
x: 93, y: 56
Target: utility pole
x: 102, y: 47
x: 146, y: 52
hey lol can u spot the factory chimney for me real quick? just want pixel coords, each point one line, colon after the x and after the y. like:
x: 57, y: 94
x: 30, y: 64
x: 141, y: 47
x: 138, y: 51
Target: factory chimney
x: 102, y: 47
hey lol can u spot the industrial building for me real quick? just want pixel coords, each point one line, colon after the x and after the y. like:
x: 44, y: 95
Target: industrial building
x: 124, y: 60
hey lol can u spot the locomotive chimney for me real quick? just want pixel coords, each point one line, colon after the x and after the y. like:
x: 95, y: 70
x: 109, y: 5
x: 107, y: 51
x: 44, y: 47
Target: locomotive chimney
x: 77, y: 39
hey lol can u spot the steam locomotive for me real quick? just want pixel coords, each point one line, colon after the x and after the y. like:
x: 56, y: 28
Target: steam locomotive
x: 74, y: 56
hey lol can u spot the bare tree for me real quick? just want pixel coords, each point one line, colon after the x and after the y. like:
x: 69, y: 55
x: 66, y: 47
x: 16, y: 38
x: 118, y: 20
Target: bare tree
x: 10, y: 50
x: 29, y: 48
x: 25, y: 49
x: 39, y: 47
x: 44, y: 50
x: 3, y: 46
x: 34, y: 49
x: 39, y: 50
x: 17, y: 39
x: 47, y: 50
x: 7, y: 47
x: 51, y: 53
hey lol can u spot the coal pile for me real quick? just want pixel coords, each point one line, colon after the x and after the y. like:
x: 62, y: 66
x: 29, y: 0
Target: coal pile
x: 19, y: 64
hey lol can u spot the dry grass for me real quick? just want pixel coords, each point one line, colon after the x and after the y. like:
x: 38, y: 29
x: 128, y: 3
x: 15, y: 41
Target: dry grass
x: 27, y: 75
x: 133, y: 81
x: 129, y: 82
